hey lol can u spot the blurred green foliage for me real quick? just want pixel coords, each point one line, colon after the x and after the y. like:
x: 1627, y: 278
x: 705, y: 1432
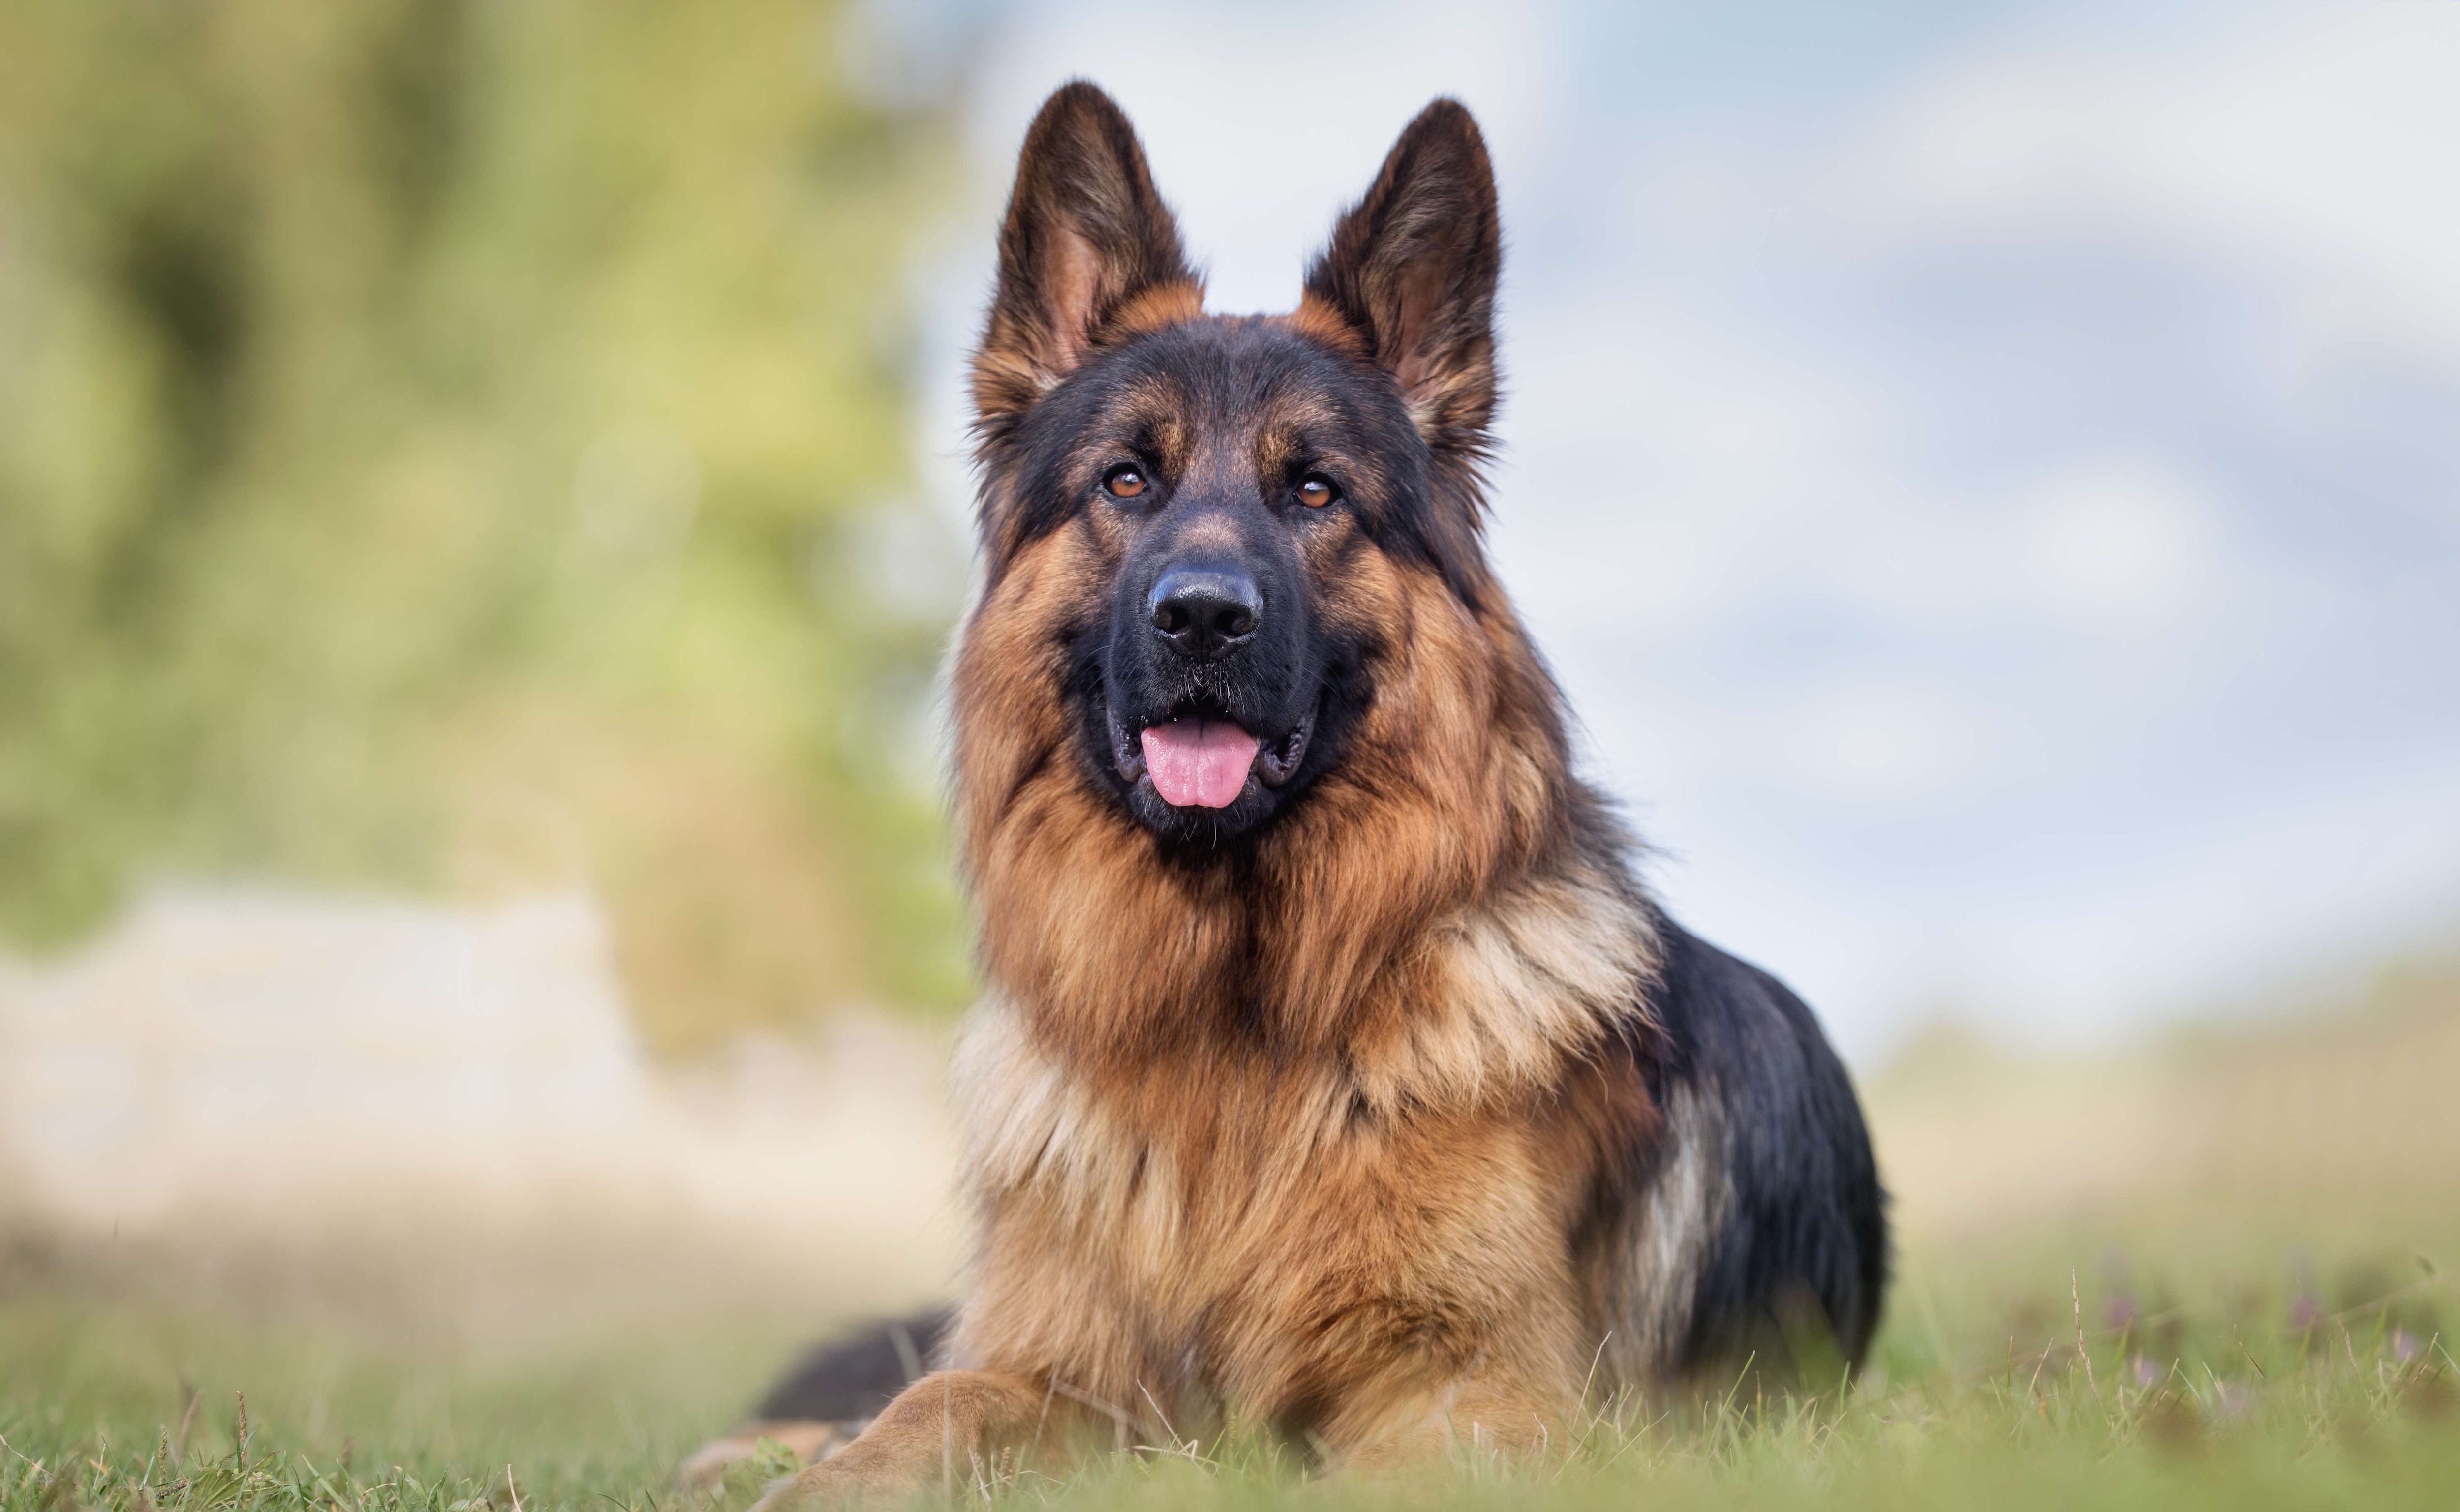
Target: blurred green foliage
x: 439, y: 444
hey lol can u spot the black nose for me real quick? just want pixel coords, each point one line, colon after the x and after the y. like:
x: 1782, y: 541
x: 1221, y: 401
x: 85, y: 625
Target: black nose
x: 1204, y: 611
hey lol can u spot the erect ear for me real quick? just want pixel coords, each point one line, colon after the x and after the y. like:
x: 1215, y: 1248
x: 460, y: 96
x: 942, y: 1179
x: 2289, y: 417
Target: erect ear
x: 1412, y: 271
x: 1088, y: 251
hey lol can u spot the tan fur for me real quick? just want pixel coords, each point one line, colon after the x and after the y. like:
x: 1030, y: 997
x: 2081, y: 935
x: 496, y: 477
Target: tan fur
x: 1345, y: 1221
x: 1318, y: 321
x: 1165, y: 305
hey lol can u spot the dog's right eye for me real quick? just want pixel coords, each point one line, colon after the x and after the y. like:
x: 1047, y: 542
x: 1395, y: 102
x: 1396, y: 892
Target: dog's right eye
x: 1124, y: 482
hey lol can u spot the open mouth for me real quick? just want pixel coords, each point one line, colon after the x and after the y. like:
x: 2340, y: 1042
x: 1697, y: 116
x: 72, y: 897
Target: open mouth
x: 1200, y: 758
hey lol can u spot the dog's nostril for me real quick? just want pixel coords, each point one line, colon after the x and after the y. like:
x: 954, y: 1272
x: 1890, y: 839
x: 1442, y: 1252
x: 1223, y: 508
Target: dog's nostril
x: 1233, y: 622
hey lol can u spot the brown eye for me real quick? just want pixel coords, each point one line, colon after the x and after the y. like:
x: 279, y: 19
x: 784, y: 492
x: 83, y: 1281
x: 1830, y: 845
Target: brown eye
x: 1124, y: 482
x: 1315, y: 491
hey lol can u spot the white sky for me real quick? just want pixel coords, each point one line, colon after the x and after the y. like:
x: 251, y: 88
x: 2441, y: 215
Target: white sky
x: 1989, y: 476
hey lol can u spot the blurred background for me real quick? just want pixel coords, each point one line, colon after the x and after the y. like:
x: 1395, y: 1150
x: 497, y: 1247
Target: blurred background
x: 483, y: 496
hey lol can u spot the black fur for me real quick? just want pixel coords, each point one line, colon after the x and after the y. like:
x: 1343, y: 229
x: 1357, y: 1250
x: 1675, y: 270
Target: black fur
x: 1805, y: 1218
x: 849, y: 1378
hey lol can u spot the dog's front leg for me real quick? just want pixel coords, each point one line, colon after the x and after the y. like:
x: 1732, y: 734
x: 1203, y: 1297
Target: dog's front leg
x: 940, y: 1429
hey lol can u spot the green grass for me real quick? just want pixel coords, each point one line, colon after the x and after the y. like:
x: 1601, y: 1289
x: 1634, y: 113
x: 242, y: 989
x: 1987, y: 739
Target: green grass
x: 2194, y: 1388
x: 2243, y: 1237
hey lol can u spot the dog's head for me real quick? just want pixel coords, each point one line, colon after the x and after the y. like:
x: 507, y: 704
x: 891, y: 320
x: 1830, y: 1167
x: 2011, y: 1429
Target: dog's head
x: 1205, y: 536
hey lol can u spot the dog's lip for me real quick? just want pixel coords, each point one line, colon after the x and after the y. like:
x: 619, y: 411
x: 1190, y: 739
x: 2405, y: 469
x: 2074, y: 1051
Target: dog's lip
x: 1127, y: 750
x: 1276, y: 763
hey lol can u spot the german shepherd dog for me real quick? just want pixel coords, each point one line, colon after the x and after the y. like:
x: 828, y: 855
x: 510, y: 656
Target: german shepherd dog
x: 1335, y: 1079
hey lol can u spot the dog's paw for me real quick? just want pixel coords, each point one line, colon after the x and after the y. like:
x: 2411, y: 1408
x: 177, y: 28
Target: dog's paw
x: 784, y: 1446
x: 841, y: 1483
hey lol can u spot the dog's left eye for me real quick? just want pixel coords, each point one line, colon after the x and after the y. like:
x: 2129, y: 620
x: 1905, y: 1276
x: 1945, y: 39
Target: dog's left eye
x: 1316, y: 490
x: 1124, y: 482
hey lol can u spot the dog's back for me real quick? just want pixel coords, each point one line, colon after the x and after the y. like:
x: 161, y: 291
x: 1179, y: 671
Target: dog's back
x: 1754, y: 1230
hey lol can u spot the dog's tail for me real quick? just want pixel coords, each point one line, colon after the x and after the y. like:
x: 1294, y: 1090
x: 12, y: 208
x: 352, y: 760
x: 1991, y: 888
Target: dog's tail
x: 852, y: 1377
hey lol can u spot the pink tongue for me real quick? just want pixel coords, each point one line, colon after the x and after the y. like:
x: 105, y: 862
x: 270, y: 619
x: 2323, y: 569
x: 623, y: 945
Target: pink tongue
x: 1198, y: 763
